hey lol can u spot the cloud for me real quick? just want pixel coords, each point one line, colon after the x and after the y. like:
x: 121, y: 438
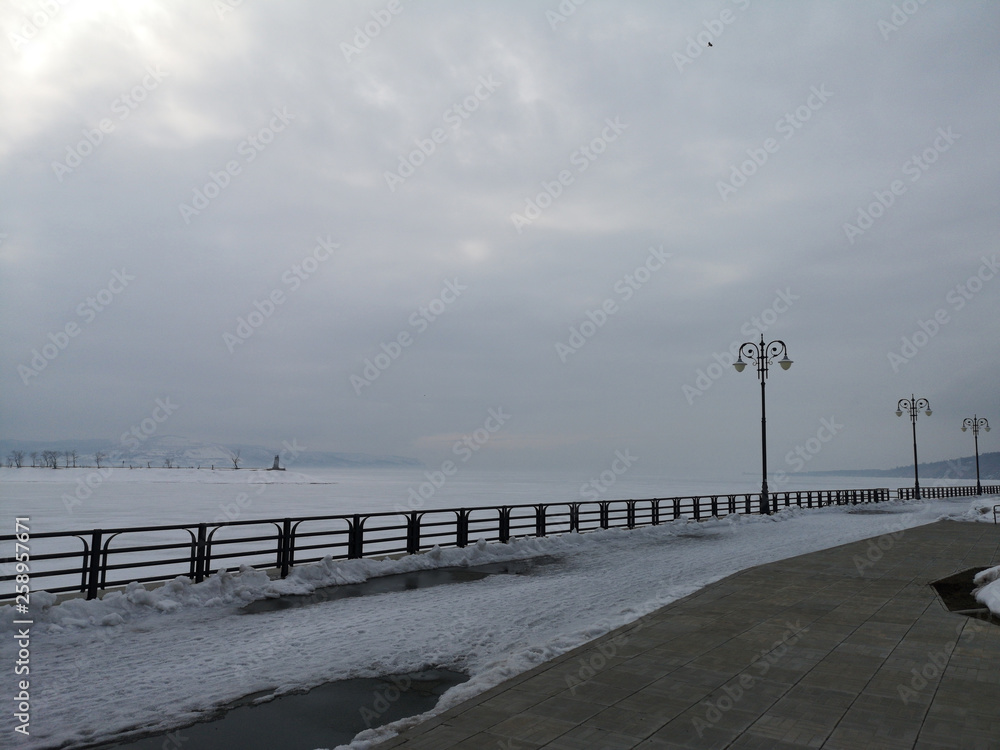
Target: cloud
x: 188, y: 96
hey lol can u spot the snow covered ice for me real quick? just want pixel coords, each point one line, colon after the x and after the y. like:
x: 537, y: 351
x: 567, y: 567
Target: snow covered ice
x: 161, y: 658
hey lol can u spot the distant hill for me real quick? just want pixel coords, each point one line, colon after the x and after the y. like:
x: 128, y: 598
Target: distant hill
x: 956, y: 468
x: 180, y: 451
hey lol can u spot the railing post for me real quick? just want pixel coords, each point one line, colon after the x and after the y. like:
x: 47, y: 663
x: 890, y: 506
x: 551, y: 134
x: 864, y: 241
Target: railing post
x: 286, y: 549
x: 540, y: 520
x: 696, y: 506
x: 412, y: 533
x: 604, y: 514
x: 355, y: 539
x: 677, y: 508
x: 504, y: 530
x: 199, y: 554
x: 95, y: 565
x: 462, y: 528
x: 630, y: 513
x: 574, y: 517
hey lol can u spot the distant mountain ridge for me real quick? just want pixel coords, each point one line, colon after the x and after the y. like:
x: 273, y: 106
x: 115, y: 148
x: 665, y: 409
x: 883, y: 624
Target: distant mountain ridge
x: 956, y: 468
x: 180, y: 451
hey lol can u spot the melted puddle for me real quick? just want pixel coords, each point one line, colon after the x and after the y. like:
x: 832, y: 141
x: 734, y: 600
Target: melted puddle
x: 328, y: 715
x: 417, y: 579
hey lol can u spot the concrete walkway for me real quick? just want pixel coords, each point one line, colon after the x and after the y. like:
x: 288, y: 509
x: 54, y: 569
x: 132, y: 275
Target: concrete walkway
x: 844, y: 648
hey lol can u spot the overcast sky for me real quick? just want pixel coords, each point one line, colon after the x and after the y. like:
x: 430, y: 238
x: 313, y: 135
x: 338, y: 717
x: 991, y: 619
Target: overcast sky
x: 568, y: 214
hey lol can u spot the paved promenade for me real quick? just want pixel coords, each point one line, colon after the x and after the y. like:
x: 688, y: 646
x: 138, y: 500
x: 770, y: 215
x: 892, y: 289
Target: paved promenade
x: 845, y: 648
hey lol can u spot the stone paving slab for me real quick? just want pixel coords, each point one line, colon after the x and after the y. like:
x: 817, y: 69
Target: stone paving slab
x: 844, y: 648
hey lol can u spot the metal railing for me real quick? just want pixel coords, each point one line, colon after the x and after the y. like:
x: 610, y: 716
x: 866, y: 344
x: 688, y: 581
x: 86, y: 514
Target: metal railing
x: 95, y: 560
x: 933, y: 493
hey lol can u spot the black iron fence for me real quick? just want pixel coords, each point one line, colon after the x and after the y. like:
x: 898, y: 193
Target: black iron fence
x: 931, y: 493
x: 95, y: 560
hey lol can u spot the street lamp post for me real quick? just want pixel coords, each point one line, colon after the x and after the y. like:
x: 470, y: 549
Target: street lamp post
x: 761, y: 355
x: 912, y: 406
x: 975, y: 423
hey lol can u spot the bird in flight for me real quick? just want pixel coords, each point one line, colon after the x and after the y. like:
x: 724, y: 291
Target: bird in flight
x: 709, y: 44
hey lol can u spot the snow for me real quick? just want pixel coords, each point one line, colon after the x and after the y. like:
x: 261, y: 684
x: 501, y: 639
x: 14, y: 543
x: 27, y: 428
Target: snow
x: 116, y: 497
x: 161, y: 658
x: 988, y: 592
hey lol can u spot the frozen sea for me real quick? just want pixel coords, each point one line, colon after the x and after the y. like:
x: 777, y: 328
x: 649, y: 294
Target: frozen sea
x: 64, y: 499
x: 154, y: 660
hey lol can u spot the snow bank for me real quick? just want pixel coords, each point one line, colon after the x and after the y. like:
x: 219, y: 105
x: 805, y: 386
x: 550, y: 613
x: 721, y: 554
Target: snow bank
x: 248, y: 584
x: 988, y: 592
x: 979, y: 510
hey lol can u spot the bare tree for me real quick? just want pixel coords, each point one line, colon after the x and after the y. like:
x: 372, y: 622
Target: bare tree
x: 168, y: 463
x: 100, y: 456
x: 18, y: 457
x: 50, y: 459
x: 66, y: 458
x: 34, y: 458
x: 235, y: 458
